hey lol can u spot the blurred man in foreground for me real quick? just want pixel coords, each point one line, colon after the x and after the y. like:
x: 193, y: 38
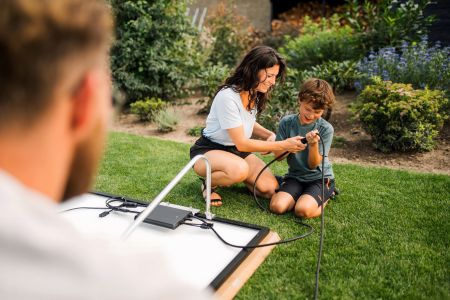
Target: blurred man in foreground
x: 55, y: 105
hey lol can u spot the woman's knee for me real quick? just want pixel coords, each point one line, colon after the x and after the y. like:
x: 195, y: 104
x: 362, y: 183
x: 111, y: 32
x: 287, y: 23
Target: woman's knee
x: 238, y: 171
x: 268, y: 188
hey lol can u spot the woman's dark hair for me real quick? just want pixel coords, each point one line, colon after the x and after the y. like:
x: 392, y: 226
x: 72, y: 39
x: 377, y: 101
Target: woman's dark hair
x: 245, y: 76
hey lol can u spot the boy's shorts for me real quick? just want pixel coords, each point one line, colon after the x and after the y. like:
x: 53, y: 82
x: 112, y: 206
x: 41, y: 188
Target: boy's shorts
x: 296, y: 188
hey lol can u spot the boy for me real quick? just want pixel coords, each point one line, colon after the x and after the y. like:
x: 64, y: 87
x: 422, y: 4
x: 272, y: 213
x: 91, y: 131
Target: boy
x: 301, y: 188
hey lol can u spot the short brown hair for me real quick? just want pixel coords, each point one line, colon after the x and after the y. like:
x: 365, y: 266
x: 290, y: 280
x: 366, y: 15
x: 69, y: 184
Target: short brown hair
x: 37, y: 39
x: 317, y: 92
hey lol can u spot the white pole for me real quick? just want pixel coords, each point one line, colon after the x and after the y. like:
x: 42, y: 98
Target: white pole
x: 194, y: 18
x: 202, y: 19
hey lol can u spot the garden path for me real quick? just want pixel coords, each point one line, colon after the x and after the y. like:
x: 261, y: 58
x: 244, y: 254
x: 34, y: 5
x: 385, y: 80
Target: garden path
x: 354, y: 145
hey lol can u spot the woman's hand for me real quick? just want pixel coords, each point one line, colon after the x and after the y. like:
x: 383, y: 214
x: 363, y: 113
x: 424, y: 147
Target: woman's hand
x: 313, y: 137
x: 293, y: 144
x: 271, y: 138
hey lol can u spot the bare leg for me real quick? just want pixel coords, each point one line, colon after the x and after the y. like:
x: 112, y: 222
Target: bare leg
x: 307, y: 207
x: 266, y: 184
x: 281, y: 202
x: 226, y: 168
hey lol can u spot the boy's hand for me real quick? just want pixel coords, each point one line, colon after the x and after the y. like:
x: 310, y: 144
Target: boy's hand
x: 312, y: 137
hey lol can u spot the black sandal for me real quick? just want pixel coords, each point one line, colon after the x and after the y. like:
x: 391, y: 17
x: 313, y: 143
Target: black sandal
x: 215, y: 201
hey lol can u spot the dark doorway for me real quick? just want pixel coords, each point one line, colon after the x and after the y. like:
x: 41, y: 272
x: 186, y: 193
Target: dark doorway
x: 281, y: 6
x: 439, y: 31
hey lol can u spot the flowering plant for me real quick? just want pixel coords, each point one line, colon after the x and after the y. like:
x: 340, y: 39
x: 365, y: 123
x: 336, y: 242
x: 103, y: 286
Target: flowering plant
x: 414, y: 63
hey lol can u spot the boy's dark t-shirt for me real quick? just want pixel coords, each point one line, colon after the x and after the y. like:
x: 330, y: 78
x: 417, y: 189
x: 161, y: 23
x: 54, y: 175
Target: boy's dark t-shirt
x: 298, y: 162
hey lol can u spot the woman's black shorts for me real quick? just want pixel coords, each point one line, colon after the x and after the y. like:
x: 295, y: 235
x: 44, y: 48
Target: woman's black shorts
x: 296, y: 188
x: 203, y: 145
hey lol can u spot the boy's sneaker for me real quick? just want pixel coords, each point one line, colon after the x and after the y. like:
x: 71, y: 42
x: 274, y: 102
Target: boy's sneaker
x: 335, y: 193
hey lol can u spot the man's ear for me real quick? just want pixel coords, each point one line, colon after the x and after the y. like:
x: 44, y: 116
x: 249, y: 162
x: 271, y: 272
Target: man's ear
x: 83, y: 105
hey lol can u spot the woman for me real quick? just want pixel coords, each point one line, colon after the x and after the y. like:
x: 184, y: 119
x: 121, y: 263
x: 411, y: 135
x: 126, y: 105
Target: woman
x: 232, y: 133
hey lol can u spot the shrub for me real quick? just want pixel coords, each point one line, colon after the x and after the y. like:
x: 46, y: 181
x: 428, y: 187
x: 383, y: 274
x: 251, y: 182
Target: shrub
x: 311, y: 49
x: 156, y: 48
x: 146, y: 109
x: 415, y: 63
x: 209, y: 79
x: 311, y: 26
x: 400, y: 118
x: 195, y: 131
x: 231, y: 34
x: 166, y: 119
x: 388, y: 22
x: 339, y: 141
x: 340, y: 75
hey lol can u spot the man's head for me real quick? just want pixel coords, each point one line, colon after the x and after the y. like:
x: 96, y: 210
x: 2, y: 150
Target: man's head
x: 54, y: 81
x: 314, y: 97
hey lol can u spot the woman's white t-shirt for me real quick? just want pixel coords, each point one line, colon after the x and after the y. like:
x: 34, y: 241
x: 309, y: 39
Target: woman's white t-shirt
x: 228, y: 112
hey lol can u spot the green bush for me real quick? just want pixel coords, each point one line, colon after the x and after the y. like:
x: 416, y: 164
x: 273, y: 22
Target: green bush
x: 209, y: 79
x: 400, y: 118
x: 311, y: 49
x: 156, y: 48
x: 340, y: 75
x: 339, y: 141
x: 230, y: 33
x: 388, y: 22
x: 166, y: 119
x: 195, y: 131
x: 311, y: 26
x: 146, y: 109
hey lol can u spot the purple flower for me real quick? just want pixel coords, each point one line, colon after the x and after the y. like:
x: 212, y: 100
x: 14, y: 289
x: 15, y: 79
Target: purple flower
x: 417, y: 64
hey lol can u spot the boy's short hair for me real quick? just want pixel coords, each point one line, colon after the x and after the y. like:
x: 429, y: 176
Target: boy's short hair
x: 317, y: 92
x: 39, y: 42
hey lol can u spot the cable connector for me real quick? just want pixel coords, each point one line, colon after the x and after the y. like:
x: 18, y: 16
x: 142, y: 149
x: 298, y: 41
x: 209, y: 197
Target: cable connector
x: 105, y: 213
x: 129, y: 204
x: 206, y: 225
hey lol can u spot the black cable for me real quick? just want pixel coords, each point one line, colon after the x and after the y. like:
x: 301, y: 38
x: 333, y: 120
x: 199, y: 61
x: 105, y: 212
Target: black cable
x: 110, y: 207
x: 259, y: 174
x: 322, y: 223
x: 206, y: 225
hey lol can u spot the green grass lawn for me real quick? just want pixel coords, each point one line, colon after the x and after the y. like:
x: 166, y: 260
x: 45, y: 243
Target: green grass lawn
x: 386, y: 236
